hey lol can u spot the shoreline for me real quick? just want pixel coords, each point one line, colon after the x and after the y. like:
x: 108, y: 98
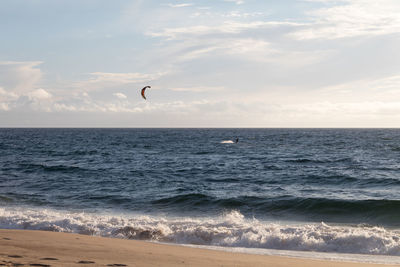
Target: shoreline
x: 308, y: 255
x: 43, y: 248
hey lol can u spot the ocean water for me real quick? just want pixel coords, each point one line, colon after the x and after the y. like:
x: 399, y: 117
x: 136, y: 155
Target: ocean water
x: 329, y: 191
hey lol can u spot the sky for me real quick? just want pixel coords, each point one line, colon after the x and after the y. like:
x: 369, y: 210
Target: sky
x: 210, y: 63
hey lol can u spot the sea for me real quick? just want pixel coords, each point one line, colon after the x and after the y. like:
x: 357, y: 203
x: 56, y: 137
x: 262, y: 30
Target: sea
x: 314, y: 193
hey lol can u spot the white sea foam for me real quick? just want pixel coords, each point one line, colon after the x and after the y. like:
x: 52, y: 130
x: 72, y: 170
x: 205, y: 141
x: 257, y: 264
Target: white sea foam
x: 231, y: 231
x: 227, y: 142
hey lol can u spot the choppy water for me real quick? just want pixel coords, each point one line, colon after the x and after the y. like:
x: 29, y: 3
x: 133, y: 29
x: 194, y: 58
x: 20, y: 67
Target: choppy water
x: 327, y: 190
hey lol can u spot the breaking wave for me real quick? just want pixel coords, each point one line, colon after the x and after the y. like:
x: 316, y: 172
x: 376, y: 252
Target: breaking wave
x: 231, y: 229
x: 227, y: 142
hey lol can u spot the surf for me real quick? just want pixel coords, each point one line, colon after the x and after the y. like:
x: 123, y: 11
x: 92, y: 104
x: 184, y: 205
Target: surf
x: 228, y: 230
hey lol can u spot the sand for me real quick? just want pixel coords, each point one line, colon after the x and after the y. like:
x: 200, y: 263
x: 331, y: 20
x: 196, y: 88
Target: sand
x: 39, y: 248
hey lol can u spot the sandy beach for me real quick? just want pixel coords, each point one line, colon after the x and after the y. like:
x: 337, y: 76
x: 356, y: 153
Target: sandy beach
x: 40, y: 248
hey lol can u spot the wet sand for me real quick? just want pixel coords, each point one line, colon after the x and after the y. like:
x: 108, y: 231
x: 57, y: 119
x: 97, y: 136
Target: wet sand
x: 39, y: 248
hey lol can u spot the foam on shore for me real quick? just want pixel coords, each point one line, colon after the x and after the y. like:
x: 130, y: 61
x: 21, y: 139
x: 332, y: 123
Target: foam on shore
x: 228, y: 231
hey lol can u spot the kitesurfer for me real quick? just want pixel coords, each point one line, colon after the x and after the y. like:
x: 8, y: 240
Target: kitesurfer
x: 237, y: 140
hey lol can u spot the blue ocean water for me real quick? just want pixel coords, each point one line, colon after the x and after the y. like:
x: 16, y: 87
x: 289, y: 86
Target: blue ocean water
x: 290, y: 189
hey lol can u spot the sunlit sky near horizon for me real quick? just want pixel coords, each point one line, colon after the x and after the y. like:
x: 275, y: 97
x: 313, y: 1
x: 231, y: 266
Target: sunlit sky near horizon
x: 215, y: 63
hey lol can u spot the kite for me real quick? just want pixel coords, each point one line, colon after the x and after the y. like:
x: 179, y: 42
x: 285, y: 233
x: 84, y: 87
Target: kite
x: 144, y: 89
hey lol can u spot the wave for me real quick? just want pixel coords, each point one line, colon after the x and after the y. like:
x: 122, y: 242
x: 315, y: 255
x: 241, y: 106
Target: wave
x: 189, y: 199
x: 231, y: 229
x: 4, y: 199
x: 382, y: 212
x: 350, y: 180
x: 31, y: 167
x: 320, y: 160
x: 223, y: 180
x: 84, y: 152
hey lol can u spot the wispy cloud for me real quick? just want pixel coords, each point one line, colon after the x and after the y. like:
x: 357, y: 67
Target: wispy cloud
x: 351, y: 18
x: 107, y: 79
x: 230, y: 27
x: 368, y: 89
x: 180, y: 5
x: 237, y: 2
x: 199, y: 89
x: 250, y: 49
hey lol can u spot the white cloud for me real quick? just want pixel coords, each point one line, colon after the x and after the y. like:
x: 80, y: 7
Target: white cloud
x: 229, y: 27
x: 122, y: 78
x: 368, y: 89
x: 352, y: 18
x: 180, y: 5
x: 19, y: 81
x: 120, y: 95
x: 6, y: 96
x: 39, y: 94
x: 237, y: 2
x: 247, y: 48
x: 238, y: 14
x: 4, y: 106
x: 20, y: 76
x: 227, y: 38
x: 106, y: 79
x: 196, y: 52
x: 343, y: 114
x: 199, y: 89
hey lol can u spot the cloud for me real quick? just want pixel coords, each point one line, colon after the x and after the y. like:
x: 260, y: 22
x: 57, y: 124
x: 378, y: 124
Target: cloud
x: 246, y: 48
x: 19, y: 76
x: 19, y: 81
x: 4, y: 106
x: 107, y: 79
x: 343, y: 114
x: 352, y: 18
x: 122, y: 78
x: 228, y: 27
x: 5, y: 95
x: 386, y: 89
x: 199, y: 89
x: 6, y: 98
x: 238, y: 14
x: 120, y: 95
x: 39, y: 94
x: 237, y: 2
x: 240, y: 39
x: 248, y: 45
x: 180, y: 5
